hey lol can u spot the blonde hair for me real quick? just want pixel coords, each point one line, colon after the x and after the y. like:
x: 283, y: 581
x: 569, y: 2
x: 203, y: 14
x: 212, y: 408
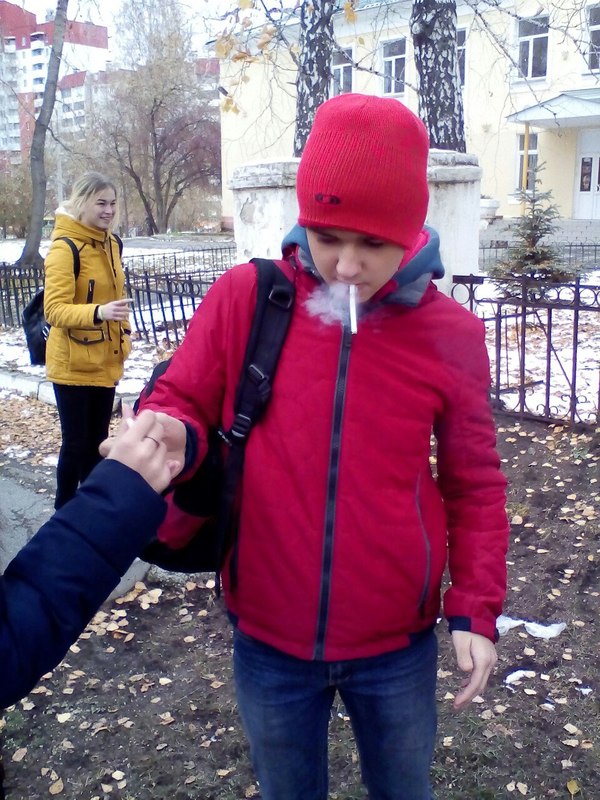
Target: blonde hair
x: 85, y: 187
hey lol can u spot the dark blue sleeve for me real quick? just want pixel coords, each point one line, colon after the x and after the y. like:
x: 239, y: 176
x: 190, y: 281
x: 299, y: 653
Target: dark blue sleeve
x: 56, y: 583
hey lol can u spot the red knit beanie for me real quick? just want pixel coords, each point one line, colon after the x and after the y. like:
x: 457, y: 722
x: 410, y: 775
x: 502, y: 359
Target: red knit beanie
x: 364, y: 168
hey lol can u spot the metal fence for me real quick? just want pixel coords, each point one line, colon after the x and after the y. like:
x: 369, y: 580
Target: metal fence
x: 166, y: 289
x: 543, y: 341
x: 544, y: 345
x: 17, y: 287
x: 577, y: 257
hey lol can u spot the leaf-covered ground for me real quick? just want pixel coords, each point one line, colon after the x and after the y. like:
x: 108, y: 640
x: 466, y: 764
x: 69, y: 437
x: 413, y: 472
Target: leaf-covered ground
x: 143, y: 708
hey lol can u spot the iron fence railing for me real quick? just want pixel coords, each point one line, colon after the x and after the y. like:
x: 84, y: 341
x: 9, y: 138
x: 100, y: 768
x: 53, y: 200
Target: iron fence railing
x: 166, y: 289
x: 185, y: 262
x: 544, y: 345
x: 575, y: 256
x: 543, y: 340
x: 17, y: 287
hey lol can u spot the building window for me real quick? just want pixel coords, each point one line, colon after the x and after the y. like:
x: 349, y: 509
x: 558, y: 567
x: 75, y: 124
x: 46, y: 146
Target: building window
x: 341, y: 72
x: 594, y: 27
x: 394, y: 64
x: 38, y: 81
x: 39, y: 51
x: 533, y: 47
x: 461, y: 51
x: 585, y: 174
x: 532, y: 160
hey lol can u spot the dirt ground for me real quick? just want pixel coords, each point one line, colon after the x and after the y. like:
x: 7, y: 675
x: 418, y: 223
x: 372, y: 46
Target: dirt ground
x: 142, y: 707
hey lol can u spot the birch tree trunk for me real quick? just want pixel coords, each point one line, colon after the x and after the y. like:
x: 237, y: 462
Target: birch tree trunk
x: 316, y: 48
x: 433, y: 29
x: 31, y: 251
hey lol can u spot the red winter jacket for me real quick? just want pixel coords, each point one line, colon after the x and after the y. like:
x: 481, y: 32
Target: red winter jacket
x: 344, y: 532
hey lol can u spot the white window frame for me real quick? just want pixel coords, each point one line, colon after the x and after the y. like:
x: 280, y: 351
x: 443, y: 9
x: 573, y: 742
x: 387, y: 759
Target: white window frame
x: 533, y: 34
x: 461, y: 54
x: 394, y: 67
x: 593, y: 54
x: 342, y: 73
x: 532, y: 159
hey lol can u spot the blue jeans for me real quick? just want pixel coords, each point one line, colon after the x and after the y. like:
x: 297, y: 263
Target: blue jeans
x: 285, y: 705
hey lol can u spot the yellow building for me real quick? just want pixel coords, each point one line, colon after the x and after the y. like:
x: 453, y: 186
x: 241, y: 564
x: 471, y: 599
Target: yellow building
x: 530, y: 75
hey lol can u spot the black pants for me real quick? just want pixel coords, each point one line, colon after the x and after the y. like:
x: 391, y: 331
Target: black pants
x: 84, y: 413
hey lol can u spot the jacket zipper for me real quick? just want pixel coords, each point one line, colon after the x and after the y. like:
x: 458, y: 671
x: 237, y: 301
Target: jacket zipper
x: 332, y: 482
x: 427, y: 543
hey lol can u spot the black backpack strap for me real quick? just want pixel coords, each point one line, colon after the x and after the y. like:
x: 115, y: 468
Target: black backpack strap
x: 75, y: 251
x: 274, y: 304
x: 119, y: 242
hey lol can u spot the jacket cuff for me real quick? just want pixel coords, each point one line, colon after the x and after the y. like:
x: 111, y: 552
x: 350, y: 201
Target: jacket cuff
x: 191, y: 447
x: 470, y: 625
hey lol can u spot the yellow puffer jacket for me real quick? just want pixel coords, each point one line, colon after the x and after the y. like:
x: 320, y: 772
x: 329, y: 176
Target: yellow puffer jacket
x: 81, y: 352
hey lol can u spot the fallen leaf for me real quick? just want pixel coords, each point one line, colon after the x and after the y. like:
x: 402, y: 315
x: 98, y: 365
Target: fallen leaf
x: 571, y: 729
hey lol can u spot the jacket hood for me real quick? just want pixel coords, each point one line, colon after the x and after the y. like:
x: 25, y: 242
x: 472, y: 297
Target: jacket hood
x: 419, y: 266
x: 67, y: 225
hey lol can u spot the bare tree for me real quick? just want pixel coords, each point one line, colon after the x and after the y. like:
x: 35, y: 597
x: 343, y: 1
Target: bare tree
x: 433, y: 28
x: 31, y: 251
x: 159, y: 126
x: 316, y: 47
x: 15, y: 199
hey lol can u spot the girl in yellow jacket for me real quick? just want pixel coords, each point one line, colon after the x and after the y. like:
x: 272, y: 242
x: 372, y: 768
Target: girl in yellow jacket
x: 90, y: 334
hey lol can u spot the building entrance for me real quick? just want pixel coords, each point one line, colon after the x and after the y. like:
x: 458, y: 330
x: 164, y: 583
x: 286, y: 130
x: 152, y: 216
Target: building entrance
x: 587, y: 186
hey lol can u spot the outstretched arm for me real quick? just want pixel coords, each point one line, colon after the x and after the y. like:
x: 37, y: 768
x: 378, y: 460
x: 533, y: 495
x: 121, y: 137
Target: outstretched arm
x: 55, y: 584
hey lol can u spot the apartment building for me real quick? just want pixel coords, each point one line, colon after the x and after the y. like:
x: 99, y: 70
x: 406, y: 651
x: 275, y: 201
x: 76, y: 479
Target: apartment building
x: 25, y: 46
x: 530, y: 78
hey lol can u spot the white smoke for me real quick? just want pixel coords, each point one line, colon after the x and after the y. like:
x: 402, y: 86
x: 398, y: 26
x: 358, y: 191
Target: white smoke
x: 330, y: 303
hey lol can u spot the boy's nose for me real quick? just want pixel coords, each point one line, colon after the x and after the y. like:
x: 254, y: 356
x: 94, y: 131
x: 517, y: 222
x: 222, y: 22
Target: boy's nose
x: 348, y: 264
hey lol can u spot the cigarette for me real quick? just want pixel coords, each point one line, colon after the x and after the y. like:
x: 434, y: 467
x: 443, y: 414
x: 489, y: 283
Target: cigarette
x: 352, y: 305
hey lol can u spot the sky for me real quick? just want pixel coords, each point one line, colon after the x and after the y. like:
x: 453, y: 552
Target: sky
x: 103, y: 12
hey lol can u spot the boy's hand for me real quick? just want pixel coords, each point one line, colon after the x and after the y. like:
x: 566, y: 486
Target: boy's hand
x: 475, y: 654
x: 139, y: 444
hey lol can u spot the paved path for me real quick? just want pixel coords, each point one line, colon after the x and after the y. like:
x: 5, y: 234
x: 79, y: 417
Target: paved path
x: 26, y: 498
x: 27, y: 494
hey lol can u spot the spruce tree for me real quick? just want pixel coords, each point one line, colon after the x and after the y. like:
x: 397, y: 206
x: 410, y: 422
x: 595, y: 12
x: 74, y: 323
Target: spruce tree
x: 529, y: 256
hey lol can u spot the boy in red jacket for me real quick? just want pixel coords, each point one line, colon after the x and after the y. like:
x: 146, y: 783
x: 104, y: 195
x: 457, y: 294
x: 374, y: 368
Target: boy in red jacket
x: 344, y: 532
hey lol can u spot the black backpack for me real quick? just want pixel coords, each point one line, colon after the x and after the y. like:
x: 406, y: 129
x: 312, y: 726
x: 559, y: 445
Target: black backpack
x: 202, y: 509
x: 34, y: 322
